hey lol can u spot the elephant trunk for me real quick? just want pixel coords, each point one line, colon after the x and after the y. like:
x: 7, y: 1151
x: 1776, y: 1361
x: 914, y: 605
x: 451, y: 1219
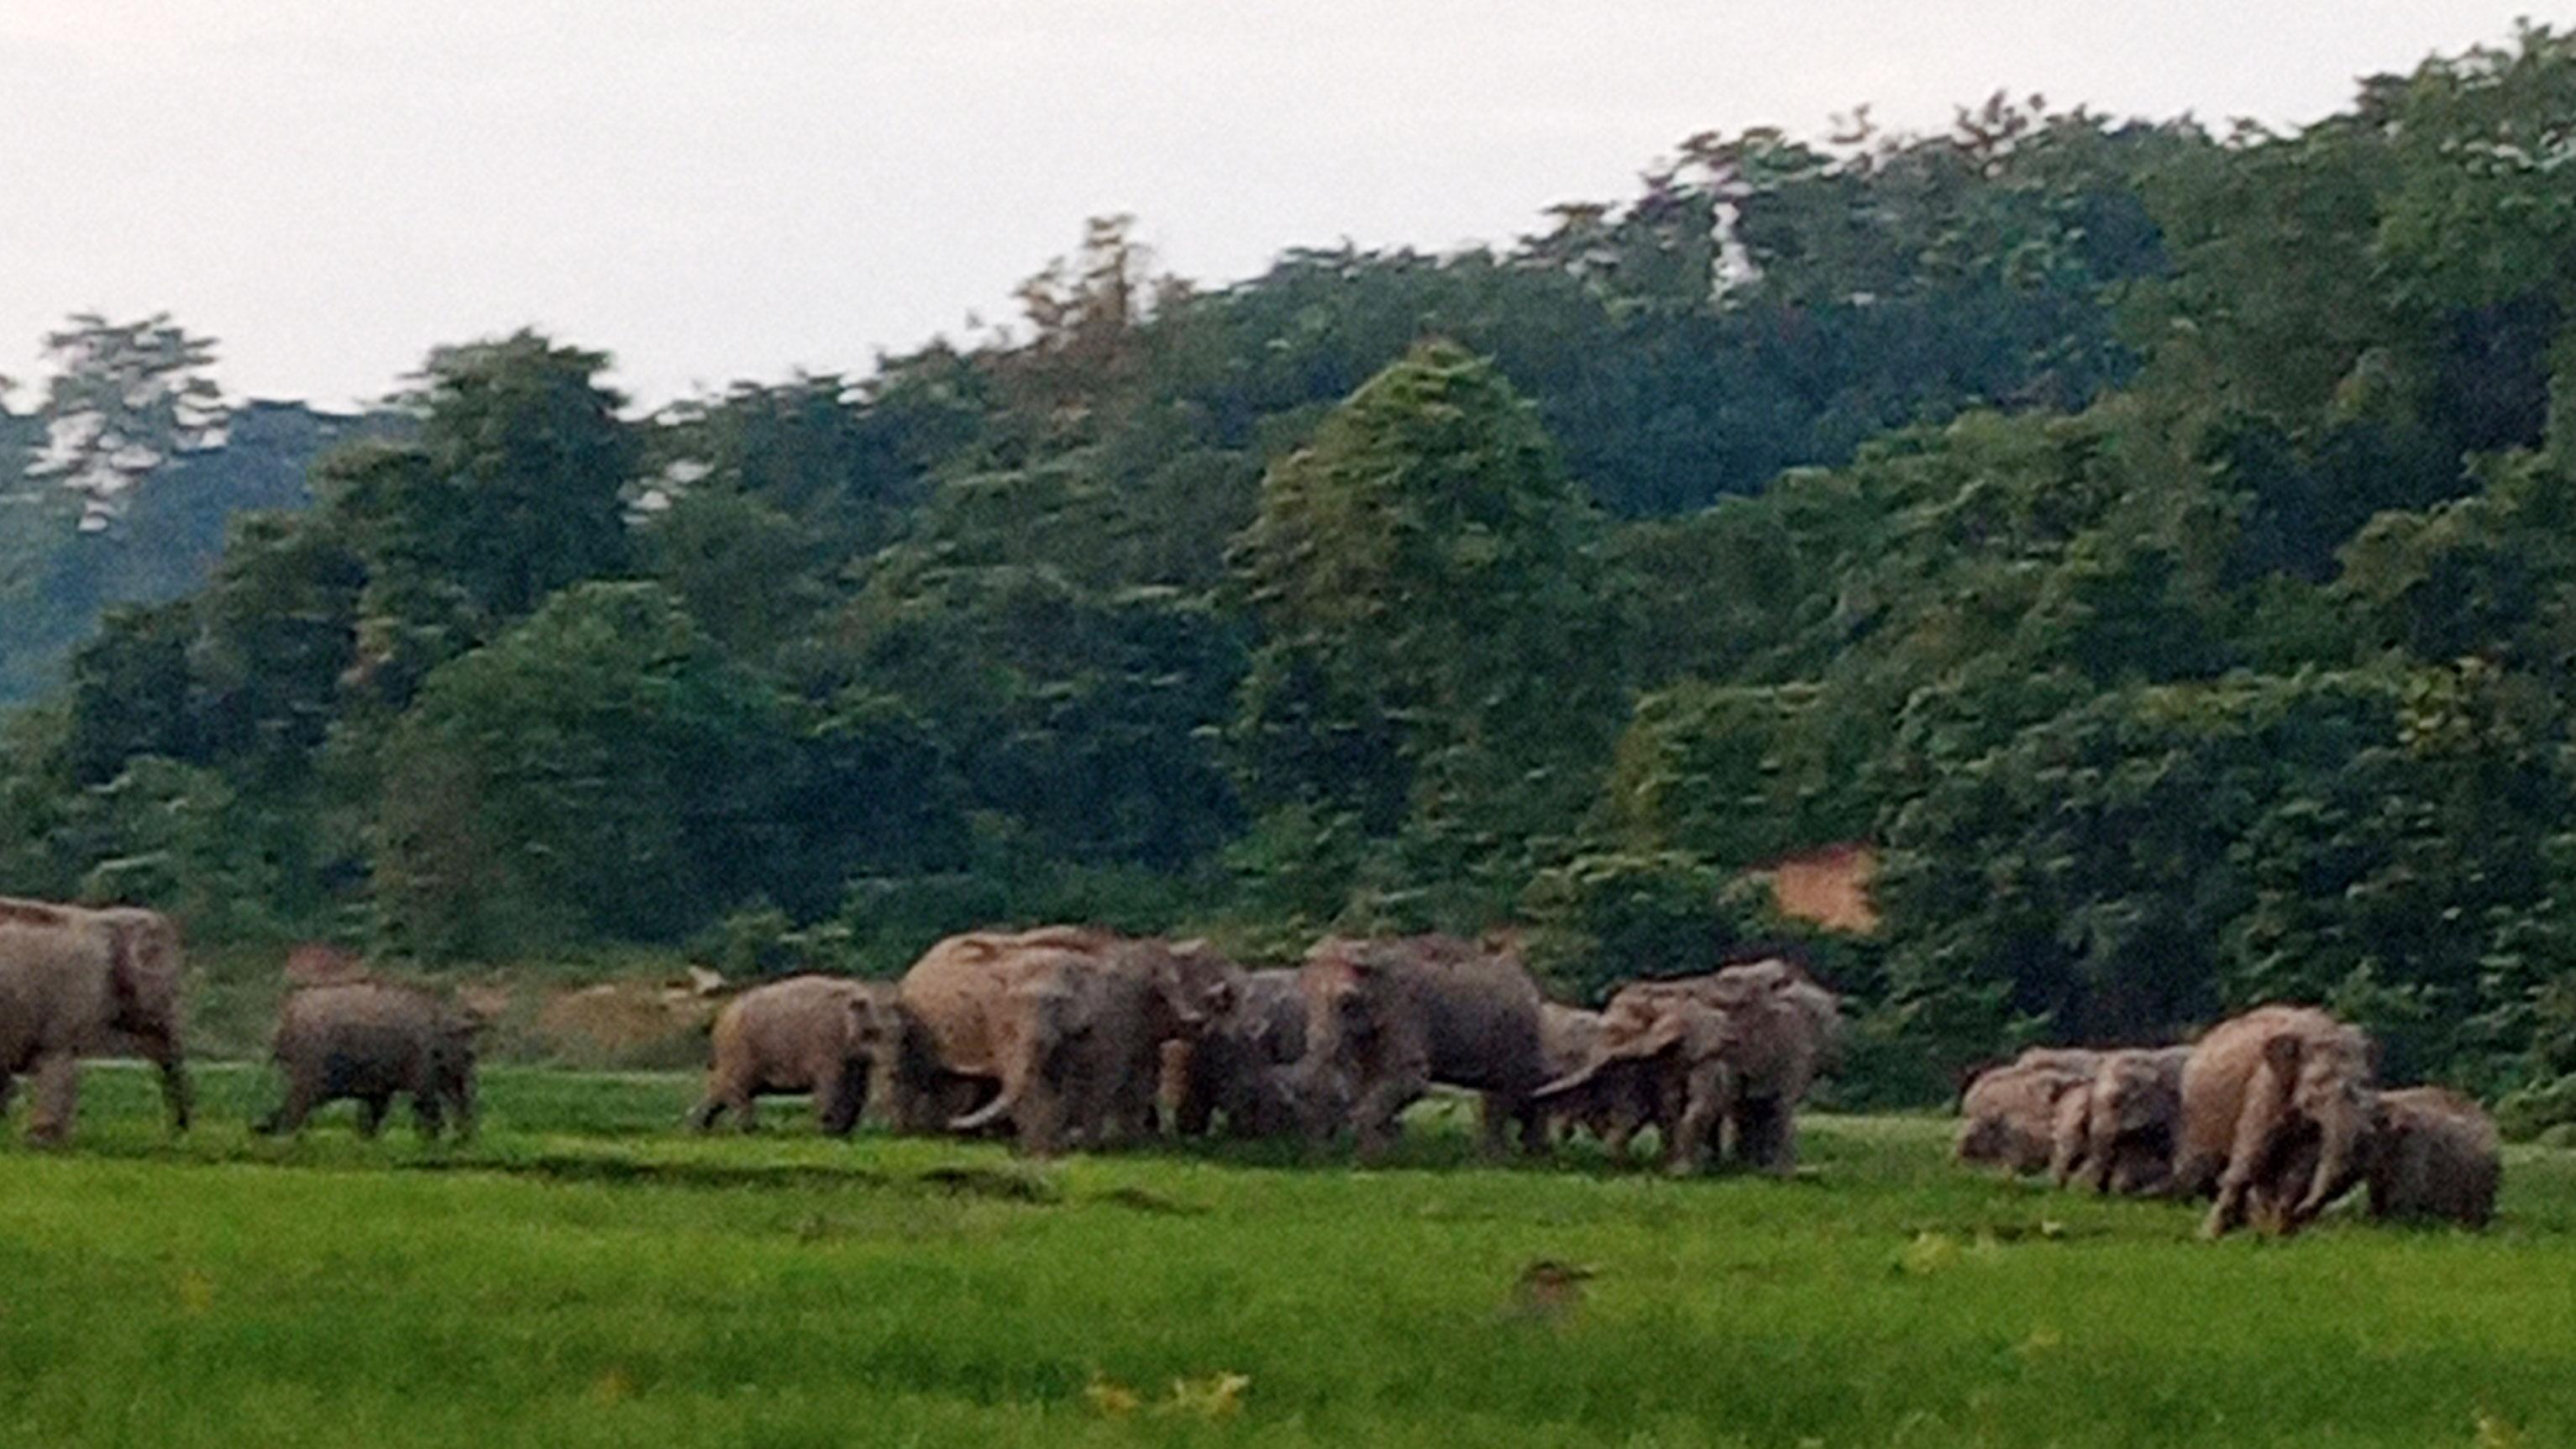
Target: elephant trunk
x: 2338, y: 1148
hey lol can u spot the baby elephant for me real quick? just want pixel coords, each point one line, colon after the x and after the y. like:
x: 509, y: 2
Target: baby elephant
x: 826, y: 1035
x: 2432, y: 1155
x: 375, y: 1041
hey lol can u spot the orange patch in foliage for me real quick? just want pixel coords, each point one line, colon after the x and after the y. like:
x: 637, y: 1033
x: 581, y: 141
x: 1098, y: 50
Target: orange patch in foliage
x: 1829, y: 887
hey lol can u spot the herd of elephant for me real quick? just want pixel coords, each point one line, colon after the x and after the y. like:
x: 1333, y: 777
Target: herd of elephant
x: 1080, y: 1037
x: 1071, y: 1036
x: 2274, y: 1113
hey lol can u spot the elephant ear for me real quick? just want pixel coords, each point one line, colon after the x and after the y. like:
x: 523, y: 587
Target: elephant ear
x: 1663, y: 1034
x: 141, y: 969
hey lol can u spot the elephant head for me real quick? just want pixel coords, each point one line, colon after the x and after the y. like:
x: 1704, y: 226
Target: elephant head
x: 1198, y: 986
x: 2326, y: 1079
x: 1049, y: 1014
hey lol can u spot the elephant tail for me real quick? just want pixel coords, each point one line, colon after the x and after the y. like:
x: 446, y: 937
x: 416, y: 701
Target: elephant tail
x: 986, y: 1115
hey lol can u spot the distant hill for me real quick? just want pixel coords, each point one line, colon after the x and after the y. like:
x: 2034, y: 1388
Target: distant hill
x: 55, y: 581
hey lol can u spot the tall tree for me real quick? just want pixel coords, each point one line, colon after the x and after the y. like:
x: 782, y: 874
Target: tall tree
x: 125, y: 398
x: 1436, y: 644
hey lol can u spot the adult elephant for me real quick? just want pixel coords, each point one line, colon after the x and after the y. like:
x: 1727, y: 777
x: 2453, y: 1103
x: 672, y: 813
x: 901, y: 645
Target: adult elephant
x: 2122, y: 1138
x: 1738, y: 1049
x: 1243, y: 1069
x: 2277, y: 1105
x: 73, y: 983
x: 1388, y: 1018
x: 1003, y: 1018
x: 2008, y: 1114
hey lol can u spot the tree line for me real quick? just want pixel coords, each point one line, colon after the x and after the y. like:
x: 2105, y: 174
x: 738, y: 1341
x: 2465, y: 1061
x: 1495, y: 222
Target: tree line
x: 2154, y: 538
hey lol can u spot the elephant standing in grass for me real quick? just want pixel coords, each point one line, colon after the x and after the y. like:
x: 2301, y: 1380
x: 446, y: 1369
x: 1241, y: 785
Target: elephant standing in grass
x: 1069, y: 1023
x: 73, y: 982
x: 1244, y: 1068
x: 1614, y: 1103
x: 375, y: 1041
x: 2008, y: 1114
x: 2277, y: 1107
x: 827, y: 1035
x: 2433, y: 1155
x: 1738, y: 1050
x: 2122, y: 1140
x: 1385, y: 1019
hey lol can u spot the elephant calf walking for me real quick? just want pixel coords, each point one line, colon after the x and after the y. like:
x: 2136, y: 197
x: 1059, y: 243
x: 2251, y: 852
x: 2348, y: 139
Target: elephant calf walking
x: 2433, y: 1155
x: 821, y: 1034
x: 374, y: 1041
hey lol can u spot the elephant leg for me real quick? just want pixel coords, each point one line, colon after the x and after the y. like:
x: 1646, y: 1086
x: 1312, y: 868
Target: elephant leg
x: 2249, y: 1154
x: 371, y: 1112
x: 832, y: 1114
x: 1535, y: 1139
x: 1039, y: 1114
x: 1493, y: 1122
x: 8, y: 1088
x: 1381, y: 1104
x: 702, y: 1117
x: 1766, y: 1135
x: 298, y: 1103
x: 178, y: 1097
x: 57, y: 1096
x: 1686, y: 1147
x: 428, y: 1115
x: 460, y: 1097
x: 1619, y: 1134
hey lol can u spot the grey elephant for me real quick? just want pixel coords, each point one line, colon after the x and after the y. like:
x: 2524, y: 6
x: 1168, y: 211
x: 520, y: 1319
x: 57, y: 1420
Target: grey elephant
x: 2277, y: 1105
x: 2008, y: 1114
x: 946, y: 1067
x: 73, y: 983
x: 1738, y: 1050
x: 1615, y: 1102
x: 2122, y: 1140
x: 373, y: 1041
x: 827, y: 1035
x: 2433, y: 1155
x: 1386, y: 1019
x: 1244, y: 1069
x: 1065, y: 1024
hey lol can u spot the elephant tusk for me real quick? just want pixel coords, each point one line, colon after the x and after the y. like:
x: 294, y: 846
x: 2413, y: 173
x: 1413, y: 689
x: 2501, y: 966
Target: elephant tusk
x: 1569, y: 1082
x: 984, y: 1116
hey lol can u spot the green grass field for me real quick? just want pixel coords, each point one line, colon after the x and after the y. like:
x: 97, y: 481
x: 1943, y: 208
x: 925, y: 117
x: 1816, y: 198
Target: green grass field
x: 584, y: 1275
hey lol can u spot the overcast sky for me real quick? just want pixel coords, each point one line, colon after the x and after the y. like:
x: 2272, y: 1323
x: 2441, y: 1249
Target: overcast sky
x: 716, y: 189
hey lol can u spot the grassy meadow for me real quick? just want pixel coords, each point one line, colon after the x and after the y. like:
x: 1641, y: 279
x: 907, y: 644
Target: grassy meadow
x: 584, y: 1275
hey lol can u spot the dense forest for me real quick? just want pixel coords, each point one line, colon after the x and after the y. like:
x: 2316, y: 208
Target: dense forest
x: 2154, y: 539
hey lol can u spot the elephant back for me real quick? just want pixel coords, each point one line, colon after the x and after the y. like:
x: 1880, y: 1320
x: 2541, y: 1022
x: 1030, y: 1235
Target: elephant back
x: 389, y: 1028
x: 801, y: 1020
x: 56, y: 970
x: 2222, y: 1065
x: 954, y: 992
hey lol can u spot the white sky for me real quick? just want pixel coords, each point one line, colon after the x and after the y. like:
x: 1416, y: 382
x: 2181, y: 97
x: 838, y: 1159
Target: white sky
x: 715, y: 189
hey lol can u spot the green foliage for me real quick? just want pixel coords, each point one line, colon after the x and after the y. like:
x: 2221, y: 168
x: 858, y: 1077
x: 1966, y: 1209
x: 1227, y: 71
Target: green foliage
x: 1435, y: 658
x: 1738, y: 776
x: 592, y: 770
x: 1602, y: 919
